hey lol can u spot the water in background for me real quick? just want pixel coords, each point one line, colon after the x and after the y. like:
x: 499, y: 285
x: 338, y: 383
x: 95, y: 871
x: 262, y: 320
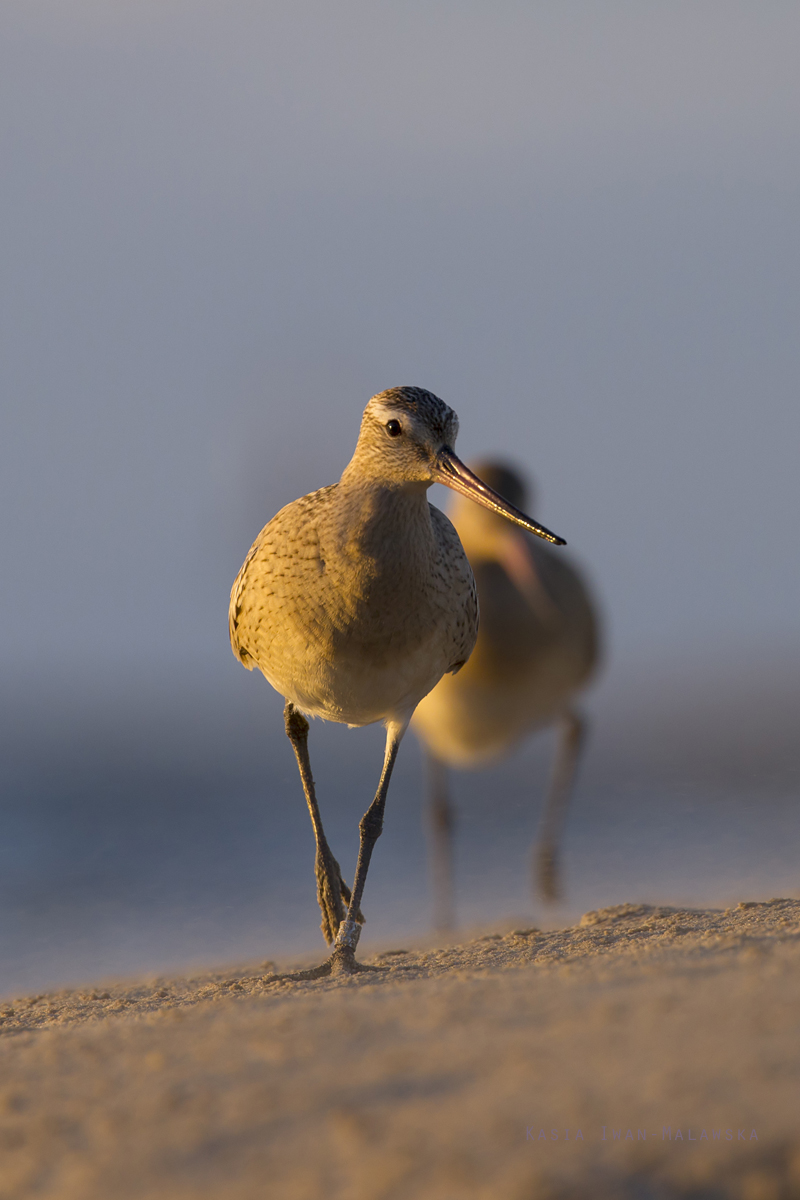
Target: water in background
x: 163, y: 825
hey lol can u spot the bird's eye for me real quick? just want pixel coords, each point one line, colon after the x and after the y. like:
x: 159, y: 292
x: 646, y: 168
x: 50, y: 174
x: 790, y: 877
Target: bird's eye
x: 394, y: 428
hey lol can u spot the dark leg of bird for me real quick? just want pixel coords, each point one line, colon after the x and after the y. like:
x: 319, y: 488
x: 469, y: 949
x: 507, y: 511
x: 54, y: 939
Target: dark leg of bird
x: 440, y: 841
x: 370, y: 829
x: 332, y: 892
x: 571, y: 732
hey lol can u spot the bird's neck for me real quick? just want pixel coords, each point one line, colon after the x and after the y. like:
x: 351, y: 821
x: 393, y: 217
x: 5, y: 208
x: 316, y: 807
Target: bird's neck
x: 373, y: 517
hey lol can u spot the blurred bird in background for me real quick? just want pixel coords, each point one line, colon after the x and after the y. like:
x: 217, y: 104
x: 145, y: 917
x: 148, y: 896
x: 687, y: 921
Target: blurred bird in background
x: 537, y: 648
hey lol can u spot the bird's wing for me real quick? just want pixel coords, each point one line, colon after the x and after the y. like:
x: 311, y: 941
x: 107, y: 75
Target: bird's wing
x: 458, y: 586
x: 283, y: 549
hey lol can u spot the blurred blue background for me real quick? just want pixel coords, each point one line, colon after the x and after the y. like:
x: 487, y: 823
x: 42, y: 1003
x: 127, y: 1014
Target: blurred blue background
x: 222, y: 228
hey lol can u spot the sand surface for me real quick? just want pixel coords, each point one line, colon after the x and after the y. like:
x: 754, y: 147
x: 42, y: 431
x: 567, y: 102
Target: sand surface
x: 516, y: 1066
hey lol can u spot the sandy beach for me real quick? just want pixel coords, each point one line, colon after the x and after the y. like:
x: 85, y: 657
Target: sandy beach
x: 646, y: 1052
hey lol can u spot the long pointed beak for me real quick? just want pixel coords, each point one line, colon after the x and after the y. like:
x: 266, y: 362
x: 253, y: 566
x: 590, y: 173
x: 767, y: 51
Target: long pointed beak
x: 451, y: 471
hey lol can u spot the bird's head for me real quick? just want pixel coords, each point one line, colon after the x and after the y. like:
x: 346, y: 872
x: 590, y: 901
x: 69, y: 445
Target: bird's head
x: 406, y: 440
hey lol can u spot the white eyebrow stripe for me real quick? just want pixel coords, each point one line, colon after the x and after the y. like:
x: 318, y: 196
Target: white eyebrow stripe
x: 387, y: 412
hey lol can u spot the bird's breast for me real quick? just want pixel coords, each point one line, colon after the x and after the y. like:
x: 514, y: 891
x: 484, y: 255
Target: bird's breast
x: 357, y: 616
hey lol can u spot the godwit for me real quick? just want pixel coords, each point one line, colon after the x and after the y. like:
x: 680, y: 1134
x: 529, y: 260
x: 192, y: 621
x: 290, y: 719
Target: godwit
x: 536, y: 648
x: 356, y: 599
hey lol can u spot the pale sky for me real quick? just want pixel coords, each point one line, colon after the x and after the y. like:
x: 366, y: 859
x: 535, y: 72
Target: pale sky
x: 223, y: 226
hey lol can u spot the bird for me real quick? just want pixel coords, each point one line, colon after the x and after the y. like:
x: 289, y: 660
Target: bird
x: 355, y: 600
x: 537, y: 648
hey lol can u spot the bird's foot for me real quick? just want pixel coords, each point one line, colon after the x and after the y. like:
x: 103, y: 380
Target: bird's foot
x: 343, y: 962
x: 320, y: 972
x: 343, y: 959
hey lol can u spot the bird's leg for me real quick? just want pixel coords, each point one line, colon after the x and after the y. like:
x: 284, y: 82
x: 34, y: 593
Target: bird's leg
x: 370, y: 829
x: 571, y: 732
x: 332, y: 892
x: 440, y: 840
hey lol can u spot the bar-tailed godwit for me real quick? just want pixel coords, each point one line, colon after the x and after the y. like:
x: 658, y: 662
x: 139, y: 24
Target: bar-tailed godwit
x: 356, y: 599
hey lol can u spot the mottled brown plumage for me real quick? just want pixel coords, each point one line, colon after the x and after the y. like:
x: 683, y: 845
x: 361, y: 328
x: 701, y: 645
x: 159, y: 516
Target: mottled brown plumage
x: 355, y: 600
